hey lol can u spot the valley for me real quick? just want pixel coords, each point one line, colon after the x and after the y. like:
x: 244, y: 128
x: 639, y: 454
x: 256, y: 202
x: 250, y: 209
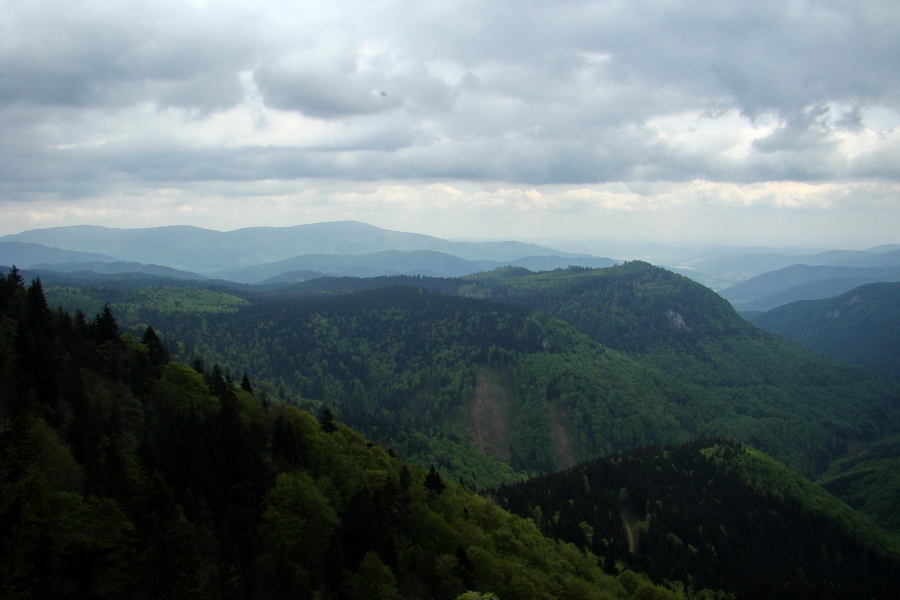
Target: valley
x: 619, y: 410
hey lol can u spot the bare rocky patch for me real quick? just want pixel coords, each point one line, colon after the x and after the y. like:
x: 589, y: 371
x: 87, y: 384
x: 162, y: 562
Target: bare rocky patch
x: 561, y: 446
x: 490, y: 413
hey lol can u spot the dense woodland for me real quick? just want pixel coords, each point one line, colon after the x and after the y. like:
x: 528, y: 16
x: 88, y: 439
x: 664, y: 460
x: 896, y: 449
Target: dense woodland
x: 860, y: 327
x: 717, y: 514
x: 125, y: 475
x: 241, y: 472
x: 570, y: 365
x: 870, y: 481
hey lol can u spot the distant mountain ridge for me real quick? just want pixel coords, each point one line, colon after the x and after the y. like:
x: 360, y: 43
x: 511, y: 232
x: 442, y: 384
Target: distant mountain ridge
x: 277, y: 255
x: 253, y: 254
x: 804, y: 282
x: 861, y: 326
x: 115, y: 268
x: 25, y: 254
x: 725, y: 268
x: 427, y: 263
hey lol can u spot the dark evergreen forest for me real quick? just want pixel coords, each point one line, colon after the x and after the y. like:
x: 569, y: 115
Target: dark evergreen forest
x: 715, y: 513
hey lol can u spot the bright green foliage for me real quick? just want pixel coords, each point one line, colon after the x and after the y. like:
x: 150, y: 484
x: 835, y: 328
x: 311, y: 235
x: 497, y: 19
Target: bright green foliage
x: 160, y: 300
x: 297, y: 529
x: 298, y: 520
x: 374, y: 581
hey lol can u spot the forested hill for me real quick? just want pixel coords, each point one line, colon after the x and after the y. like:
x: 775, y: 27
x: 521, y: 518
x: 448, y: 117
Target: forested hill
x: 677, y: 326
x: 125, y: 475
x: 634, y: 307
x: 861, y: 326
x: 718, y: 513
x: 518, y: 372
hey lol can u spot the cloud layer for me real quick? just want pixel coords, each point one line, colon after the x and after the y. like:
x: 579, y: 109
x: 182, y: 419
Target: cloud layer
x: 205, y: 109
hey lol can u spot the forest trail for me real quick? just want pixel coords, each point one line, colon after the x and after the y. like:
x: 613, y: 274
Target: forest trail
x: 630, y: 534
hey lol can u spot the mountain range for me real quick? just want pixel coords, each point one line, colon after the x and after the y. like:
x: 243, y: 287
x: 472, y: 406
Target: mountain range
x: 255, y: 254
x: 751, y: 278
x: 724, y: 267
x: 805, y: 282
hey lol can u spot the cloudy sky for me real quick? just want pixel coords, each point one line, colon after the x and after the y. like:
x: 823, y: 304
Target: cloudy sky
x: 771, y: 122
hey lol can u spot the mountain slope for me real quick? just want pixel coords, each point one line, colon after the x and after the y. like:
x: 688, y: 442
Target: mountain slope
x: 689, y: 333
x: 643, y: 356
x: 125, y: 475
x: 731, y: 517
x: 861, y: 326
x: 870, y: 481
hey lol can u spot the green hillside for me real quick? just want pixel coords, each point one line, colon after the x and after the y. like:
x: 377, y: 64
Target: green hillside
x: 125, y: 475
x: 719, y: 514
x: 861, y: 326
x: 520, y: 372
x: 767, y: 388
x: 870, y: 481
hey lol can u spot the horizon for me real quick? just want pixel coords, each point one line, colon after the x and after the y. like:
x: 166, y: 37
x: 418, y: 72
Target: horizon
x: 588, y: 246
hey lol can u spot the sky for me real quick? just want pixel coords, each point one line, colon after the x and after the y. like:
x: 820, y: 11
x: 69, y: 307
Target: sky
x: 775, y: 122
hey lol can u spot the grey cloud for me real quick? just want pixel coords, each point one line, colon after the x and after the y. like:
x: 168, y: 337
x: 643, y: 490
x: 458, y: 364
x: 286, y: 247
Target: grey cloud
x: 324, y: 94
x: 118, y: 54
x: 508, y: 90
x: 333, y: 93
x: 764, y: 56
x: 807, y: 131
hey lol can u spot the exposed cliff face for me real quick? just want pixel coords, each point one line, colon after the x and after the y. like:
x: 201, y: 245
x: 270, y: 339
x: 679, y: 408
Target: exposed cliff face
x: 676, y: 320
x: 837, y: 312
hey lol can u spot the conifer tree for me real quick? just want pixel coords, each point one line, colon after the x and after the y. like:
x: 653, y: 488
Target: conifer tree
x: 245, y: 384
x: 106, y: 327
x: 434, y: 481
x: 158, y: 354
x: 326, y: 421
